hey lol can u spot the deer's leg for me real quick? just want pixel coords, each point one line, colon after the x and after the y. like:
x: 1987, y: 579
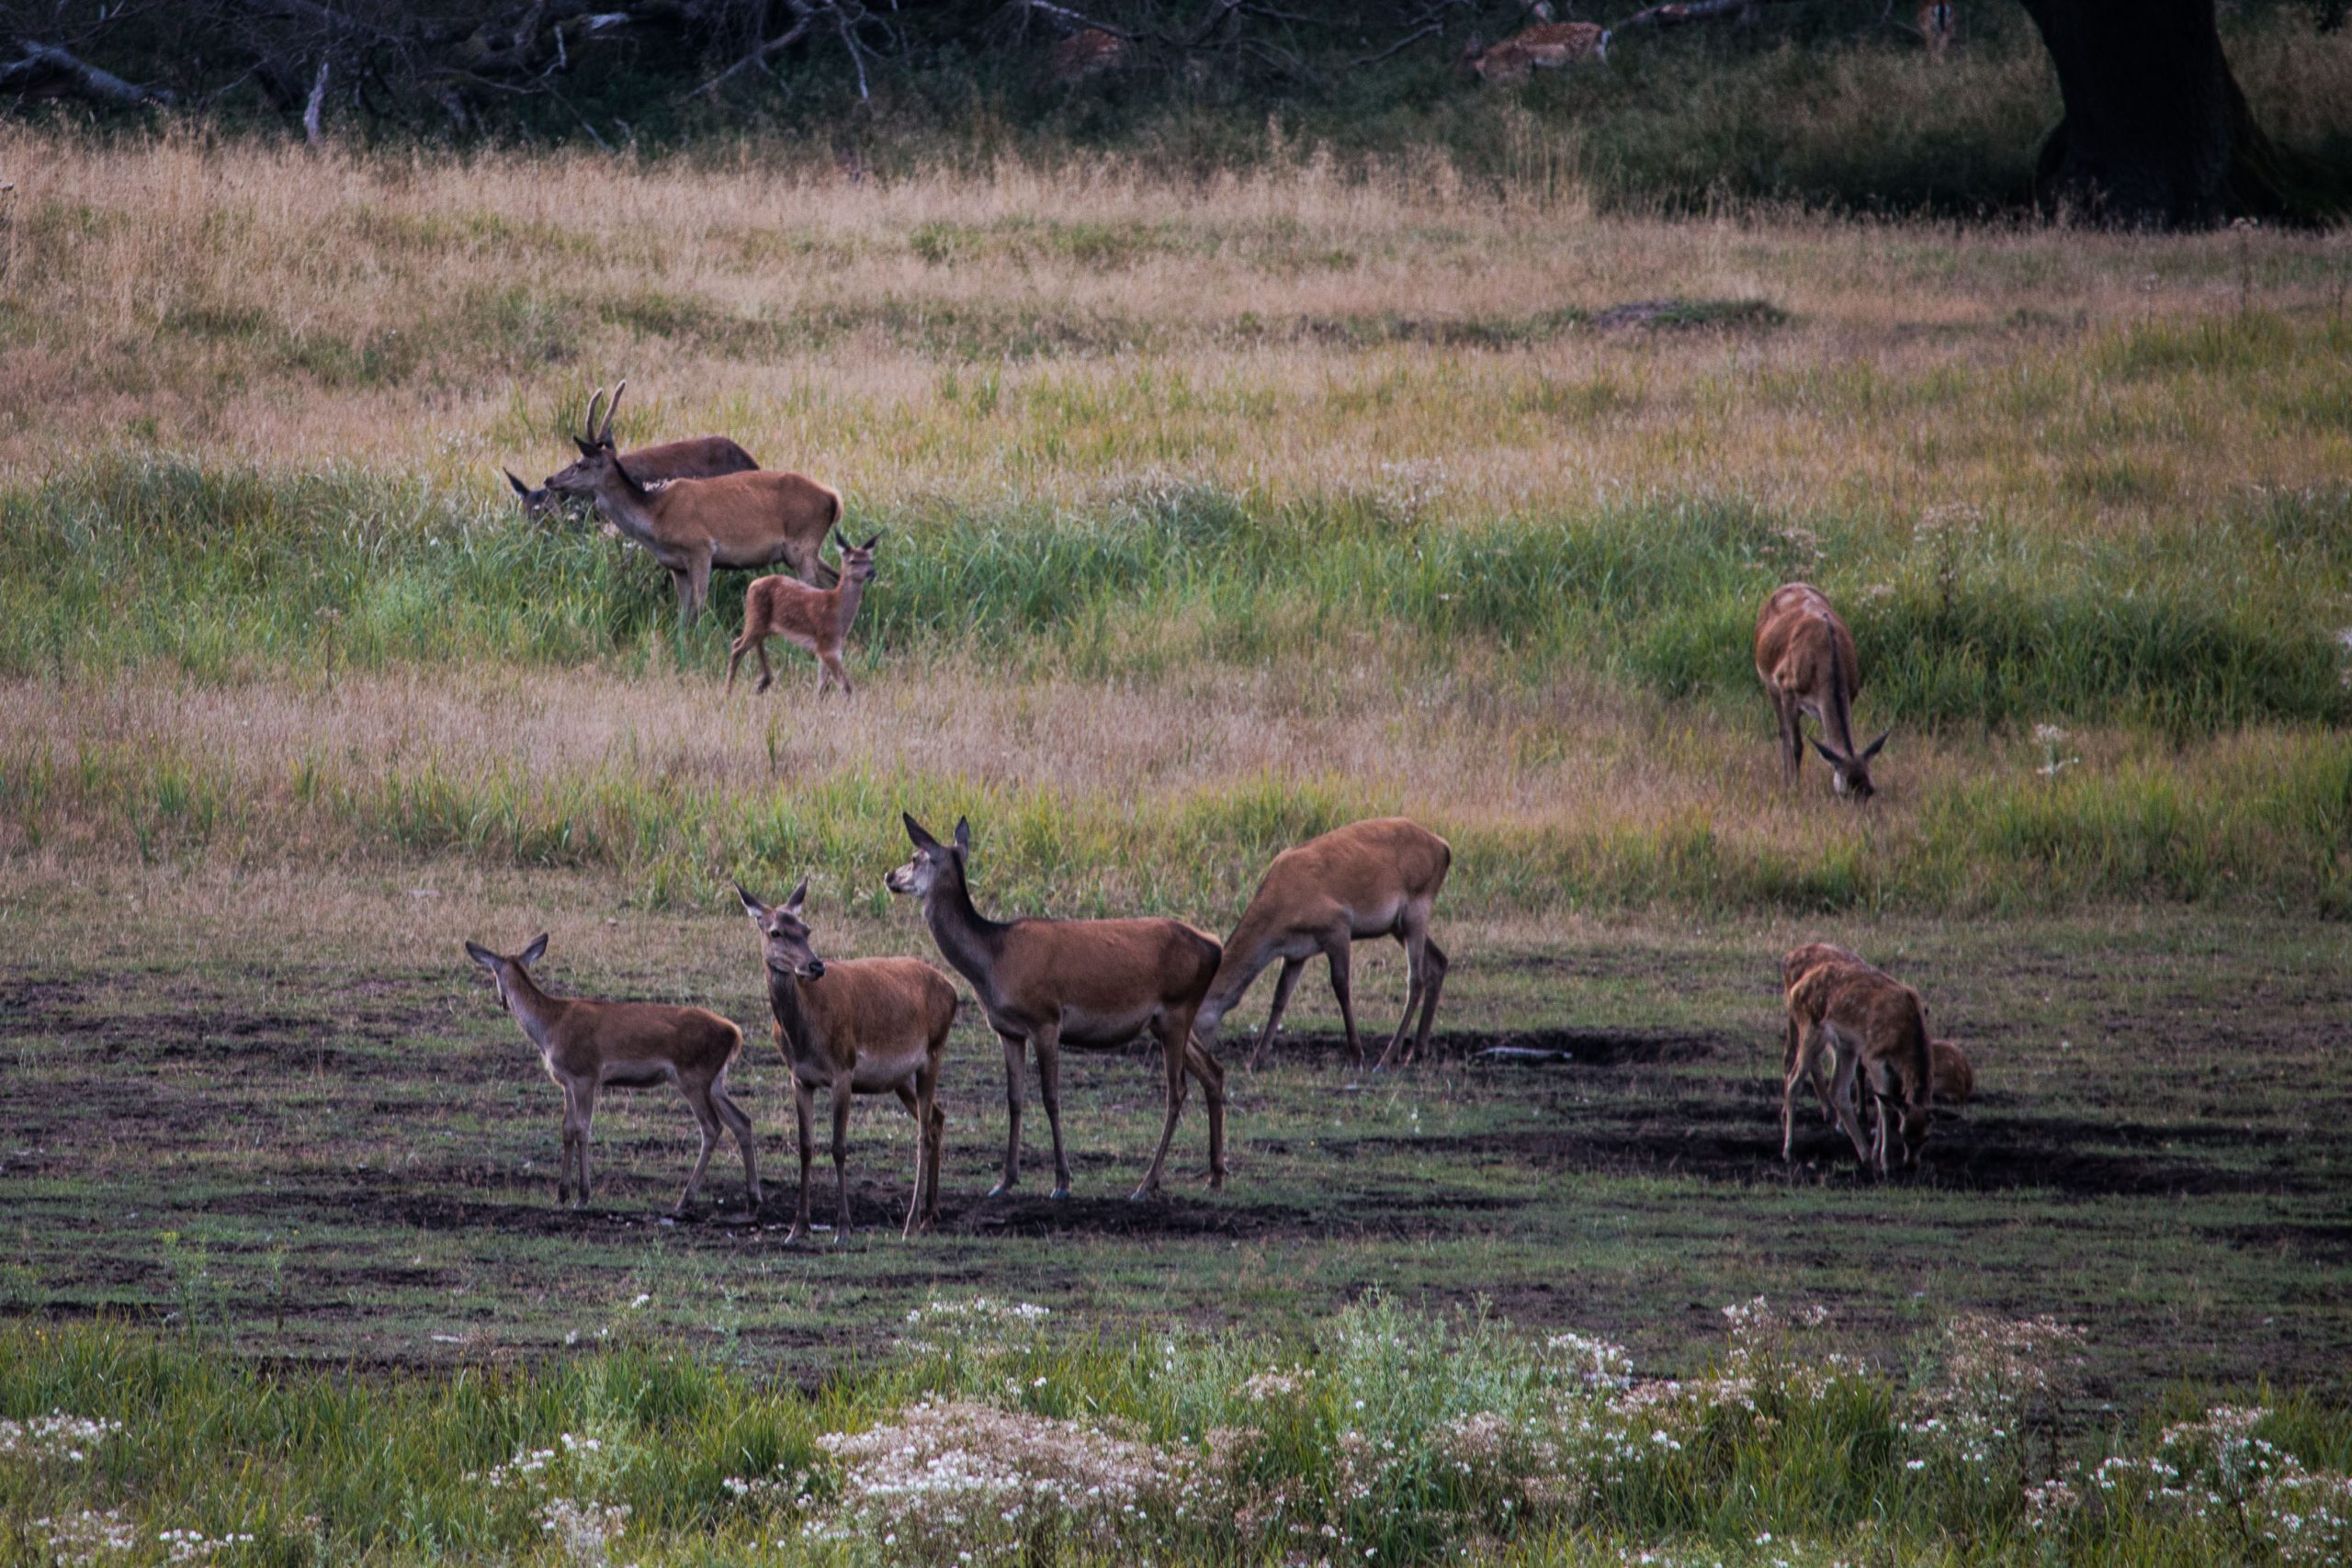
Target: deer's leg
x: 1335, y: 949
x: 1048, y: 1043
x: 1015, y: 1063
x: 913, y: 1103
x: 1284, y: 984
x: 706, y: 1122
x: 1211, y: 1072
x: 1842, y: 1092
x: 1785, y: 708
x: 739, y: 1122
x: 571, y: 1137
x: 684, y: 587
x: 767, y: 671
x: 699, y: 584
x: 1413, y: 936
x: 834, y: 668
x: 586, y: 1099
x: 804, y: 1111
x: 1173, y: 1035
x: 1803, y: 1051
x: 844, y: 1094
x: 735, y: 651
x: 1433, y: 958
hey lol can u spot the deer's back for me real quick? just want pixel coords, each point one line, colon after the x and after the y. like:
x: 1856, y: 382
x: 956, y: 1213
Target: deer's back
x: 1105, y: 967
x: 1797, y: 637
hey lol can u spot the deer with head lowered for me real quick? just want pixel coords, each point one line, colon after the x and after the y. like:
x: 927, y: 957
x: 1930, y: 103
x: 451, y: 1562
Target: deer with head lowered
x: 1805, y: 657
x: 815, y: 618
x: 1086, y: 984
x: 851, y: 1027
x: 697, y: 457
x: 1368, y: 879
x: 586, y: 1047
x: 689, y: 526
x: 1877, y: 1030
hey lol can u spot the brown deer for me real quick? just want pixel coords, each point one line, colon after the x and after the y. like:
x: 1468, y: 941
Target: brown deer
x: 1086, y: 54
x: 1548, y: 45
x: 1091, y: 985
x: 851, y: 1027
x: 1877, y: 1029
x: 699, y: 457
x: 815, y: 618
x: 691, y: 525
x: 1368, y: 879
x: 1949, y: 1065
x: 586, y: 1047
x: 1805, y: 657
x: 1937, y: 22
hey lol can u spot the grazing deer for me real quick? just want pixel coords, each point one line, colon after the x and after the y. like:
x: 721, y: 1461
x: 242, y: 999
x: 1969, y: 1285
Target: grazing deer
x: 815, y: 618
x: 1805, y: 657
x: 1547, y: 44
x: 1937, y: 22
x: 1367, y: 879
x: 587, y: 1045
x: 691, y: 525
x: 1878, y: 1031
x: 699, y: 457
x: 1086, y: 54
x: 1798, y: 963
x: 1949, y: 1065
x: 1091, y: 985
x: 851, y: 1027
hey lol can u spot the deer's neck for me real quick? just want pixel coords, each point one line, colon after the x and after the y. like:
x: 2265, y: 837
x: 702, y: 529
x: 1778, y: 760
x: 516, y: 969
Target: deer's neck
x: 1837, y: 708
x: 784, y: 1000
x: 968, y: 940
x: 628, y: 504
x: 846, y: 599
x: 536, y: 1012
x: 1242, y: 964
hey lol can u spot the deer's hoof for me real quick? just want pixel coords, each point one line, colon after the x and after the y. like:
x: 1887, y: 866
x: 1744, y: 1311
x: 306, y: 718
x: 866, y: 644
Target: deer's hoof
x: 1000, y: 1189
x: 1061, y: 1194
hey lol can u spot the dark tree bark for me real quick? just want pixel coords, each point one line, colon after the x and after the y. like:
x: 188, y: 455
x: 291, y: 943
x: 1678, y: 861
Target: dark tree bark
x: 2156, y: 134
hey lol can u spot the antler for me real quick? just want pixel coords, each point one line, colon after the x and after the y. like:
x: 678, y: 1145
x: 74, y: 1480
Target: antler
x: 594, y: 399
x: 613, y: 408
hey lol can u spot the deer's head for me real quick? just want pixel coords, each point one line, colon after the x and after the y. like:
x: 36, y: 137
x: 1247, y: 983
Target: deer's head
x: 541, y: 505
x: 934, y: 866
x: 1850, y: 776
x: 784, y: 935
x: 857, y: 561
x: 505, y: 969
x: 597, y: 459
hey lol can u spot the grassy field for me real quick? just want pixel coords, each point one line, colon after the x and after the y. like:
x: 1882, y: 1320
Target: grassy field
x: 1215, y: 513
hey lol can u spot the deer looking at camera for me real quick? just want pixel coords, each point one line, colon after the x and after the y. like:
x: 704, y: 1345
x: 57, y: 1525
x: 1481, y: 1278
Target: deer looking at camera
x: 1091, y: 985
x: 1877, y: 1029
x: 1936, y: 25
x: 815, y: 618
x: 1548, y: 46
x: 697, y: 457
x: 745, y: 520
x: 851, y: 1027
x: 1368, y: 879
x: 1805, y: 657
x: 586, y: 1047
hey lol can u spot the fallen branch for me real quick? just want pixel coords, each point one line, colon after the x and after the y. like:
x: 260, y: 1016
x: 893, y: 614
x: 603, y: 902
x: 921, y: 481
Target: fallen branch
x: 44, y: 68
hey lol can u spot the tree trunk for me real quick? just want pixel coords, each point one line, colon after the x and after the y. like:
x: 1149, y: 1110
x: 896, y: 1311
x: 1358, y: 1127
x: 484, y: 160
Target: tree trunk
x: 2156, y: 134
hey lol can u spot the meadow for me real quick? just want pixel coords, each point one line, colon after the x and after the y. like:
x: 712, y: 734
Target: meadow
x: 1217, y: 511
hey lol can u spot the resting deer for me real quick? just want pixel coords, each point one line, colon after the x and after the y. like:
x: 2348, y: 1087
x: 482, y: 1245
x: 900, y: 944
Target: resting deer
x: 1949, y: 1065
x: 1086, y: 54
x: 815, y: 618
x: 1937, y: 24
x: 1367, y: 879
x: 1805, y: 657
x: 699, y: 457
x: 1091, y: 985
x: 691, y: 525
x: 856, y: 1026
x: 587, y: 1045
x: 1878, y: 1031
x: 1548, y: 45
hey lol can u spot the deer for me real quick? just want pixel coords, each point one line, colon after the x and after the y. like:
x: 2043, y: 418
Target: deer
x: 741, y: 520
x: 1937, y: 22
x: 1368, y: 879
x: 1089, y: 984
x: 1086, y: 54
x: 1805, y: 657
x: 586, y: 1047
x: 1877, y: 1028
x: 1949, y: 1065
x: 698, y: 458
x: 851, y: 1027
x: 815, y: 618
x: 1547, y: 44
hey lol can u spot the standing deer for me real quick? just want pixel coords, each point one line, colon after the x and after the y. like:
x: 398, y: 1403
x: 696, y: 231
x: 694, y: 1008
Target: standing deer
x: 851, y: 1027
x: 815, y: 618
x: 698, y: 458
x: 1878, y: 1031
x: 1805, y: 657
x: 691, y: 525
x: 1548, y: 45
x: 587, y: 1045
x: 1368, y: 879
x: 1091, y: 985
x: 1937, y: 22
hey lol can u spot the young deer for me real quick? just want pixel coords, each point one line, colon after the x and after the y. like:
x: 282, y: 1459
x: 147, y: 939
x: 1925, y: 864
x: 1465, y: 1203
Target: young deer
x: 699, y: 457
x: 1798, y: 963
x: 1368, y: 879
x: 1805, y: 657
x: 586, y: 1047
x: 1878, y: 1031
x: 815, y: 618
x: 1548, y: 45
x: 1949, y: 1065
x: 691, y: 525
x: 856, y: 1026
x: 1085, y: 984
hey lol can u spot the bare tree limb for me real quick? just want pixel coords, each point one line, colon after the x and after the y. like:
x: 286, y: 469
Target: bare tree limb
x: 314, y: 111
x: 44, y: 68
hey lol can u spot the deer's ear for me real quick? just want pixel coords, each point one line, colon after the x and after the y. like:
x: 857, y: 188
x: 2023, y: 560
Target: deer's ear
x: 1871, y: 749
x: 870, y: 538
x: 799, y: 896
x: 520, y: 487
x: 482, y: 956
x: 752, y: 906
x: 533, y: 953
x: 918, y: 833
x: 963, y: 835
x: 1832, y: 758
x: 587, y: 447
